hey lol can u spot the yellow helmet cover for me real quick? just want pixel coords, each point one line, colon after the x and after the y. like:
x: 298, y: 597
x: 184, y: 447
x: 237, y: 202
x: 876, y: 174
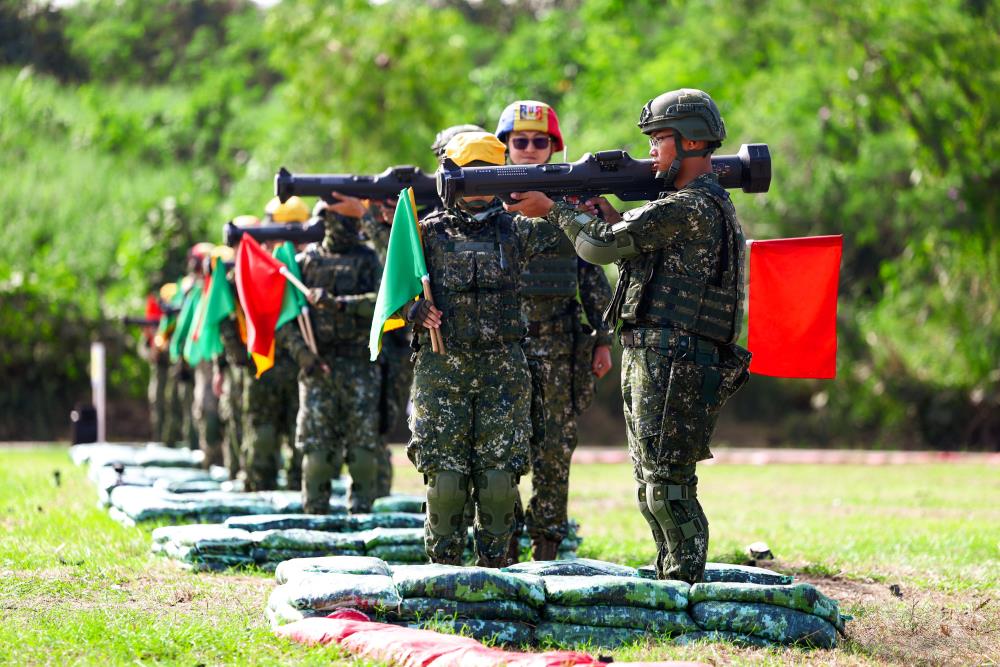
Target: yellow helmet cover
x: 469, y: 147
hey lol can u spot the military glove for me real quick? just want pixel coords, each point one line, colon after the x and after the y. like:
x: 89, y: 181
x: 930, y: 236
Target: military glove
x: 419, y: 312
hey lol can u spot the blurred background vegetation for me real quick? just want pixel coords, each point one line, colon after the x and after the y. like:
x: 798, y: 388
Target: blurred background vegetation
x: 131, y: 128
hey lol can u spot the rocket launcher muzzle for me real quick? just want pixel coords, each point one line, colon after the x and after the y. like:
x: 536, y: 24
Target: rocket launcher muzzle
x: 379, y: 186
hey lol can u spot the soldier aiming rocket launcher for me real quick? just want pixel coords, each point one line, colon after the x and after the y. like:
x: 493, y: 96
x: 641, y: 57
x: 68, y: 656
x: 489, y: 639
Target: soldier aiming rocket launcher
x: 133, y: 321
x: 612, y: 172
x: 379, y: 187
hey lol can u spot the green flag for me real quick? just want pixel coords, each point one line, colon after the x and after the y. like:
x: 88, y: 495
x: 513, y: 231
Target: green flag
x: 168, y: 321
x: 206, y: 343
x: 184, y: 320
x: 294, y: 300
x: 404, y: 269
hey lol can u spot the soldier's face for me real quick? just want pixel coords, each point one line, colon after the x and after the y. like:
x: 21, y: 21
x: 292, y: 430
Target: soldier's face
x: 662, y: 149
x: 529, y: 147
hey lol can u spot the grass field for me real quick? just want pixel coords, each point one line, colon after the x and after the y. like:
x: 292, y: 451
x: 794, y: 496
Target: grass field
x: 913, y: 552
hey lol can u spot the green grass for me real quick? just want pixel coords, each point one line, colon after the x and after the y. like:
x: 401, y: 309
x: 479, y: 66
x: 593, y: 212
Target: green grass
x: 77, y: 588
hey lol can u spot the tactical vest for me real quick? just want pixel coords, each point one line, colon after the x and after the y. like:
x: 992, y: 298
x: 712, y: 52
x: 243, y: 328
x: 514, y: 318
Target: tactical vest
x: 474, y: 283
x: 340, y: 274
x: 650, y: 296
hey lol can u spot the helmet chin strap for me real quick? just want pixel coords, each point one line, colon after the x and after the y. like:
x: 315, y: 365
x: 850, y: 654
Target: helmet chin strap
x: 670, y: 174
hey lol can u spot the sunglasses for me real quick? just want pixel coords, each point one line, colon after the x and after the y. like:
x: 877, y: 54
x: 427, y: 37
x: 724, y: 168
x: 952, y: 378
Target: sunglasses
x: 521, y: 143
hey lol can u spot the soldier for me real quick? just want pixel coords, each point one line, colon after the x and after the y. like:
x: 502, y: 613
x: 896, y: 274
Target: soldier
x: 679, y: 302
x: 152, y: 348
x: 470, y: 416
x: 564, y: 355
x: 338, y: 386
x: 271, y: 402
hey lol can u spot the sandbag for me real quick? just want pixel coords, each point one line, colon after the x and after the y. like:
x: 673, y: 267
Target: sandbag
x: 411, y: 609
x: 778, y: 624
x: 400, y: 554
x: 320, y: 592
x: 639, y: 618
x: 581, y: 567
x: 616, y: 591
x: 567, y: 634
x: 299, y: 567
x: 504, y: 633
x: 205, y: 538
x: 745, y: 574
x: 803, y: 597
x: 748, y: 641
x: 361, y: 522
x: 467, y: 584
x: 384, y: 537
x: 328, y: 522
x: 298, y: 539
x: 399, y: 503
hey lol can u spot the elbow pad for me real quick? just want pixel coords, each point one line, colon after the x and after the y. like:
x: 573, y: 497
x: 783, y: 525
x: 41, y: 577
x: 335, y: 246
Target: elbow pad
x: 597, y: 251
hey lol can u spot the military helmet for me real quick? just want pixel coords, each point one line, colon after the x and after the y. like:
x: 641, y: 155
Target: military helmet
x: 224, y: 253
x: 293, y: 210
x: 444, y: 136
x: 530, y: 115
x: 470, y: 148
x: 246, y: 221
x: 201, y: 250
x: 688, y: 111
x: 168, y: 291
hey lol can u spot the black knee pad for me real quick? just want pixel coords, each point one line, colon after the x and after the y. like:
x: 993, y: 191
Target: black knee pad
x: 446, y: 494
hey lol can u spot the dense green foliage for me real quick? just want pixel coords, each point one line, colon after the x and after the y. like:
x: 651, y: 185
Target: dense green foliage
x: 132, y: 128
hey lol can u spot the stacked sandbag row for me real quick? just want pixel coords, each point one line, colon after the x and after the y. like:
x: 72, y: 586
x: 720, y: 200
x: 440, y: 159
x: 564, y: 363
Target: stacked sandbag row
x: 566, y: 603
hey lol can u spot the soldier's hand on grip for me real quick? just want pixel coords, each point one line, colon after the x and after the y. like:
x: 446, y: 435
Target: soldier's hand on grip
x: 350, y: 207
x: 531, y: 204
x: 424, y: 314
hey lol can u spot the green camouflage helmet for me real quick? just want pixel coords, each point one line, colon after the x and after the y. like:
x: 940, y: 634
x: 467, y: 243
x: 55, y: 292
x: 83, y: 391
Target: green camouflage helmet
x: 689, y: 112
x: 445, y: 135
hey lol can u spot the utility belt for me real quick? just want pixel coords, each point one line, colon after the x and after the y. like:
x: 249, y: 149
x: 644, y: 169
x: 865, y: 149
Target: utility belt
x: 342, y: 350
x: 674, y: 343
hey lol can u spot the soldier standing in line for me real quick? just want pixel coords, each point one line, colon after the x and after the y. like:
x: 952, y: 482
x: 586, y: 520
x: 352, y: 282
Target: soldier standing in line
x: 470, y: 418
x: 338, y: 387
x: 564, y: 355
x: 679, y: 302
x: 152, y: 348
x: 271, y: 402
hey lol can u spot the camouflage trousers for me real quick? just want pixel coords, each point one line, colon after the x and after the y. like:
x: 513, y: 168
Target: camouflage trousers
x: 270, y: 407
x: 205, y: 411
x: 338, y: 421
x: 178, y: 426
x: 157, y: 395
x: 551, y: 448
x: 669, y: 426
x: 231, y: 414
x: 397, y: 380
x: 470, y: 415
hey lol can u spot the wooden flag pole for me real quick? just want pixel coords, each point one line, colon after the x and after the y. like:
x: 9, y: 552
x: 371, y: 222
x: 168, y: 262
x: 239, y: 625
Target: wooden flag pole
x: 309, y: 330
x: 437, y: 343
x: 293, y: 280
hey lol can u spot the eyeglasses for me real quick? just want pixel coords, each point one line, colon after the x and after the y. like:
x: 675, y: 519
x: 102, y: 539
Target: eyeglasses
x: 521, y: 143
x: 654, y: 141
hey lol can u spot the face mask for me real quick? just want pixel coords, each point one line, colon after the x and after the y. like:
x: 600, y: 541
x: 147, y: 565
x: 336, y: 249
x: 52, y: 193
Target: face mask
x: 476, y: 206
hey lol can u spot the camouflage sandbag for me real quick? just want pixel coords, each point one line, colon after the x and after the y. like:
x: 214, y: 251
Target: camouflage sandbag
x: 189, y: 486
x: 275, y: 556
x: 299, y: 567
x: 363, y: 522
x: 777, y: 624
x: 400, y: 554
x: 569, y: 635
x: 504, y: 633
x: 299, y: 539
x: 327, y: 592
x: 205, y: 538
x: 467, y: 584
x: 334, y: 523
x: 191, y: 556
x: 616, y: 591
x: 421, y: 609
x: 747, y: 641
x: 728, y: 572
x: 399, y: 503
x: 640, y: 618
x: 803, y: 597
x: 578, y: 567
x: 384, y: 537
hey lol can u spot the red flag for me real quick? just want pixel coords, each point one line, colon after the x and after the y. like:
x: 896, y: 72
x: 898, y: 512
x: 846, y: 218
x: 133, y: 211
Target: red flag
x: 153, y: 312
x: 261, y: 289
x: 792, y: 321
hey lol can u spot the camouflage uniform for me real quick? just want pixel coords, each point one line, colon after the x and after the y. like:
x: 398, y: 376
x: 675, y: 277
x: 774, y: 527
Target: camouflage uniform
x: 234, y: 365
x: 270, y: 409
x: 338, y: 413
x: 178, y: 425
x: 205, y: 411
x: 557, y: 344
x: 679, y: 300
x: 395, y: 366
x: 470, y: 418
x: 156, y: 393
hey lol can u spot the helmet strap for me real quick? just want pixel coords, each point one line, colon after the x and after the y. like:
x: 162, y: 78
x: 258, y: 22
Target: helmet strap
x: 670, y: 174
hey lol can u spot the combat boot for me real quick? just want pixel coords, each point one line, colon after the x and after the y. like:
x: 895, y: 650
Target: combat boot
x: 544, y: 548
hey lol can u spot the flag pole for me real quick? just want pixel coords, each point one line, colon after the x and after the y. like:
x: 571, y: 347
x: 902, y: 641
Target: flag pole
x: 311, y: 337
x: 293, y: 280
x: 437, y: 343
